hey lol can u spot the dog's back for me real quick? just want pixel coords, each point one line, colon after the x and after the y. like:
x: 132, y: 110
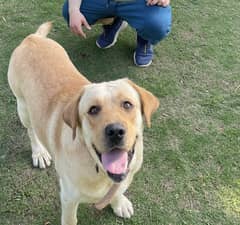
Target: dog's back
x: 43, y: 61
x: 42, y: 78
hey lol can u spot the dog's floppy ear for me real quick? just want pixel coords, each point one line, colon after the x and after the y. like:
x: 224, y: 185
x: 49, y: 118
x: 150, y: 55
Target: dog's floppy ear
x: 70, y: 113
x: 149, y: 102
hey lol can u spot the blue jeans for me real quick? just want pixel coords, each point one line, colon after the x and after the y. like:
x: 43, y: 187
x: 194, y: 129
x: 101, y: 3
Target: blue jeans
x: 152, y: 23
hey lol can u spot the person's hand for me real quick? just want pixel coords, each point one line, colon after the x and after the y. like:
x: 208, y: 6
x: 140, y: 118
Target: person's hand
x: 163, y: 3
x: 77, y: 21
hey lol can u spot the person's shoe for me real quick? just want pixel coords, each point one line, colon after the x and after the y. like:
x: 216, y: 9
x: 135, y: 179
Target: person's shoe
x: 110, y: 33
x: 143, y: 54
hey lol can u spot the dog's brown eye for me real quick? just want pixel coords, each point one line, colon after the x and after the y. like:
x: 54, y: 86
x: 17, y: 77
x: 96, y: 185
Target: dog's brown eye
x: 94, y: 110
x: 127, y: 105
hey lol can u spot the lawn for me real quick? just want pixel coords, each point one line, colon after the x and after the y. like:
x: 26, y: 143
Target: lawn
x: 191, y: 169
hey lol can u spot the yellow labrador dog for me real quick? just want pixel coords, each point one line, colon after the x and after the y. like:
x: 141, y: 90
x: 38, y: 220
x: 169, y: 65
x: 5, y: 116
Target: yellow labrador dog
x: 92, y: 131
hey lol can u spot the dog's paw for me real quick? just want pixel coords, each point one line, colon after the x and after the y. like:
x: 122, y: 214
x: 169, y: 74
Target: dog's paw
x: 41, y: 158
x: 122, y: 207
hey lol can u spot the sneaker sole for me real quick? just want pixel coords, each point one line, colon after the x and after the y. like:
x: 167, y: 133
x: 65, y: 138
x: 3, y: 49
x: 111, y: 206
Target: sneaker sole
x: 122, y: 27
x: 145, y: 65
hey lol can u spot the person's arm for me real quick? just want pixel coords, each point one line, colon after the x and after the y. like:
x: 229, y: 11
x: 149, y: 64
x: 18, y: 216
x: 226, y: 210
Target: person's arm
x: 163, y: 3
x: 76, y: 18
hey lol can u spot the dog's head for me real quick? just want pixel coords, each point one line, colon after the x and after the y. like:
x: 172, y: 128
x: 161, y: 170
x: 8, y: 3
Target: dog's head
x: 110, y: 119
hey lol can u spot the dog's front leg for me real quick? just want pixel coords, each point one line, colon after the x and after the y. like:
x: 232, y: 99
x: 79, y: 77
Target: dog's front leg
x: 69, y: 212
x: 69, y: 203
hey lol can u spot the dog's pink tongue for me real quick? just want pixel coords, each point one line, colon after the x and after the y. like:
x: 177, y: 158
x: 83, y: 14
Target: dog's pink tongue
x: 115, y: 161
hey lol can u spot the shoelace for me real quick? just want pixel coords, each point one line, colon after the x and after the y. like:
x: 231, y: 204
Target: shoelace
x: 145, y: 49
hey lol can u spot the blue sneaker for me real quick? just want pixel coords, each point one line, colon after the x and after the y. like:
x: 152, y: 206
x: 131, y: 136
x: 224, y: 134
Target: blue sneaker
x: 143, y: 54
x: 110, y: 33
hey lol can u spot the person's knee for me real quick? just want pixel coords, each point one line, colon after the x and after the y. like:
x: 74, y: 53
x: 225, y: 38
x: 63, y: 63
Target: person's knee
x: 65, y: 12
x: 158, y: 25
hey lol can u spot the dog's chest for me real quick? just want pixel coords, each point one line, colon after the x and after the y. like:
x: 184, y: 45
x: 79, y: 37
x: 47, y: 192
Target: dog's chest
x: 90, y: 183
x: 93, y: 188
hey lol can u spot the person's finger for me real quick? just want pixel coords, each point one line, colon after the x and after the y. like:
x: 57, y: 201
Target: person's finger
x: 80, y: 31
x: 167, y: 3
x: 85, y: 23
x: 149, y: 2
x: 74, y: 30
x: 163, y: 3
x: 154, y: 2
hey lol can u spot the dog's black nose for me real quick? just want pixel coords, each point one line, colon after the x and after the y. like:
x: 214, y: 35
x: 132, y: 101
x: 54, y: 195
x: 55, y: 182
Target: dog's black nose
x: 115, y: 133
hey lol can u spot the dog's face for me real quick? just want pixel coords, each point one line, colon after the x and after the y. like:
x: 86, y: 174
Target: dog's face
x: 110, y: 119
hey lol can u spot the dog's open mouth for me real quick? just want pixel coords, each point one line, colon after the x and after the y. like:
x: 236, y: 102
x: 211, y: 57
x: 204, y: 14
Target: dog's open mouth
x: 116, y: 162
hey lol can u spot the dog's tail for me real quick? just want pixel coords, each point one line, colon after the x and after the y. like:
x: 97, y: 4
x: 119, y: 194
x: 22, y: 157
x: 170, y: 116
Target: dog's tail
x: 44, y: 29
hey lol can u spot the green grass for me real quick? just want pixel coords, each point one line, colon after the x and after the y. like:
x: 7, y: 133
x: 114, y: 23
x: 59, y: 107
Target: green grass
x: 191, y: 169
